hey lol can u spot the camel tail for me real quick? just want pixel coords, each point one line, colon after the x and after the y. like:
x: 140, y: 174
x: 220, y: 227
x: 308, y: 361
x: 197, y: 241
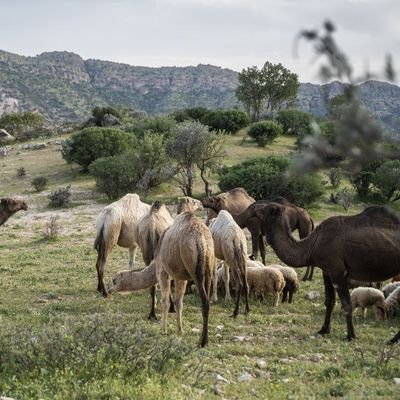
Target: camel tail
x: 99, y: 245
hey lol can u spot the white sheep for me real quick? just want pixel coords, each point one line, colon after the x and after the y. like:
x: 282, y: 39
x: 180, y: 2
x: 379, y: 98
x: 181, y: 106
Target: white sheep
x: 116, y: 225
x: 393, y: 301
x: 264, y: 280
x: 292, y: 283
x: 389, y: 288
x: 230, y: 245
x: 365, y: 297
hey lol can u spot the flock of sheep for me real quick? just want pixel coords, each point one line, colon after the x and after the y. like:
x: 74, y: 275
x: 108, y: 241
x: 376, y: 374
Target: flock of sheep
x: 184, y: 249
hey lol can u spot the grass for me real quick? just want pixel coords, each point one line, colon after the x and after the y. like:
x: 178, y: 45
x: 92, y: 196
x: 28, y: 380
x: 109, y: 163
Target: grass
x: 59, y: 339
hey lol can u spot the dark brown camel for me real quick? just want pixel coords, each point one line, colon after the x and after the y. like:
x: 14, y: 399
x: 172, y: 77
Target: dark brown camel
x: 9, y: 207
x: 298, y: 219
x: 364, y: 247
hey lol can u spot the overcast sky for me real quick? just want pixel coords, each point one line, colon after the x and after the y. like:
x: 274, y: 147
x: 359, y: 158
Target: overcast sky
x: 232, y: 34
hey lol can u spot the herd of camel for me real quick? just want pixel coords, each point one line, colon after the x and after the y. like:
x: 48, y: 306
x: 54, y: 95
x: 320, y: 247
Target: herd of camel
x: 363, y: 247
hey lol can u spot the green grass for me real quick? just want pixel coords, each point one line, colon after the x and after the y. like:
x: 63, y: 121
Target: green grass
x: 60, y: 340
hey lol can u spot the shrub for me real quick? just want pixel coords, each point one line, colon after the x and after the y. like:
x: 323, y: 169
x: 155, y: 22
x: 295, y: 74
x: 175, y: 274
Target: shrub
x: 266, y: 178
x: 21, y: 172
x: 335, y: 176
x: 344, y: 198
x: 92, y: 143
x: 39, y: 183
x: 265, y: 132
x: 195, y: 113
x: 52, y: 229
x: 362, y: 180
x: 161, y: 125
x: 295, y: 122
x: 229, y: 121
x: 387, y: 180
x: 60, y: 197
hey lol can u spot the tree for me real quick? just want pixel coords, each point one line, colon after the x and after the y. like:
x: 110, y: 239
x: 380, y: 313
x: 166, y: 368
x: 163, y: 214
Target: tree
x: 20, y: 125
x: 295, y: 122
x: 186, y: 147
x: 211, y: 155
x: 280, y: 86
x: 266, y: 89
x: 226, y: 120
x: 251, y: 92
x: 387, y: 180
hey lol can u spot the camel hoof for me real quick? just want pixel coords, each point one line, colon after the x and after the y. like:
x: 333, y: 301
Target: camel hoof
x: 324, y: 331
x: 152, y: 317
x: 349, y: 338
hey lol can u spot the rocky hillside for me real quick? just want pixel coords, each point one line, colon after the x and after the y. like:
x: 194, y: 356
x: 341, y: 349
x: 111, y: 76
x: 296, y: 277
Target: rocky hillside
x: 64, y: 87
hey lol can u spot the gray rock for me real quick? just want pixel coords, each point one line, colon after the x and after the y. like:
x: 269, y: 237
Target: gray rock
x: 313, y: 295
x: 396, y: 381
x: 246, y: 377
x: 220, y: 378
x: 261, y: 363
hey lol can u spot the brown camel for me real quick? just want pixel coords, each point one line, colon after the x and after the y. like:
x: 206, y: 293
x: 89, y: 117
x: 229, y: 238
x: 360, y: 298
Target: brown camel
x: 9, y: 207
x: 362, y: 247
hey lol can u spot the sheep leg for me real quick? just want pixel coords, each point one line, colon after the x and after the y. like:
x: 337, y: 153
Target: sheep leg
x: 364, y: 312
x: 226, y: 277
x: 276, y: 299
x: 132, y: 256
x: 165, y: 285
x: 205, y: 309
x: 290, y: 296
x: 152, y: 315
x: 330, y: 298
x: 284, y: 295
x: 180, y: 287
x: 344, y: 295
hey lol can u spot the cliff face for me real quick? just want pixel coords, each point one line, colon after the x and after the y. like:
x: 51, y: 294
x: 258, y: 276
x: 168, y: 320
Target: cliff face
x: 64, y: 87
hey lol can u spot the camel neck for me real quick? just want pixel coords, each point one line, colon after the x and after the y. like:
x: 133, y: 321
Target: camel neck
x: 291, y: 251
x: 143, y: 279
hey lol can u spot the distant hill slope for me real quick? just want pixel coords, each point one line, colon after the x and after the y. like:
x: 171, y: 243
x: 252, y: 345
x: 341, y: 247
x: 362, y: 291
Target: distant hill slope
x: 63, y: 86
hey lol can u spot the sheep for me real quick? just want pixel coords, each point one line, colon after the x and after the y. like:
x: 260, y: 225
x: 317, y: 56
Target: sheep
x: 365, y: 297
x: 292, y: 283
x: 393, y: 302
x: 115, y: 225
x: 187, y: 203
x: 263, y: 280
x: 147, y: 233
x: 231, y: 246
x: 389, y: 288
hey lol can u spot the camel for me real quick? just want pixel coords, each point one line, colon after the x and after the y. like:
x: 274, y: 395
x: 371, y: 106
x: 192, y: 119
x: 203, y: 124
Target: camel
x: 9, y: 207
x: 234, y: 201
x: 186, y: 203
x: 362, y: 247
x: 230, y: 246
x: 147, y: 234
x: 185, y: 251
x: 115, y: 225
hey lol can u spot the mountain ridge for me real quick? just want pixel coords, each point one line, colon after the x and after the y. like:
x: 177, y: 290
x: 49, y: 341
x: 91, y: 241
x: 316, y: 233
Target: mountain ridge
x: 65, y: 87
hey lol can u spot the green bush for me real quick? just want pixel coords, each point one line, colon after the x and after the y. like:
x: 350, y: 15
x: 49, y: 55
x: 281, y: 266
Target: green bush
x: 92, y: 143
x: 362, y: 180
x: 265, y: 132
x: 195, y: 113
x: 295, y: 122
x: 161, y: 125
x: 266, y: 178
x: 60, y: 197
x: 229, y: 121
x: 39, y: 183
x: 387, y: 180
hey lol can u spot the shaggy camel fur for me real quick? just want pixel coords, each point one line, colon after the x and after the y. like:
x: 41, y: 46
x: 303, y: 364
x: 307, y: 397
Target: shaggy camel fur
x: 115, y: 225
x: 148, y: 232
x: 185, y: 251
x: 187, y: 203
x: 362, y: 247
x: 230, y: 246
x: 9, y: 207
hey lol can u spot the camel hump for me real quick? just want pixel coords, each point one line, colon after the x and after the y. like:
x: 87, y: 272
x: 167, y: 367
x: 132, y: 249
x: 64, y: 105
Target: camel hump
x: 282, y: 200
x: 380, y: 213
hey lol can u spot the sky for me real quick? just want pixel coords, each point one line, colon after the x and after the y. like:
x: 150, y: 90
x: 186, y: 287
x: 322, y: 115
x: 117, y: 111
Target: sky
x: 232, y: 34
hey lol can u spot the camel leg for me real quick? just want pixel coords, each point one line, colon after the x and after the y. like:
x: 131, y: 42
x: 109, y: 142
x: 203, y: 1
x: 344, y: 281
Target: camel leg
x: 262, y: 248
x: 152, y: 314
x: 306, y: 276
x: 311, y: 273
x: 215, y: 284
x: 330, y: 298
x: 101, y: 260
x: 344, y: 295
x: 180, y: 287
x: 165, y: 285
x: 132, y: 256
x: 205, y: 309
x: 395, y: 338
x: 254, y: 243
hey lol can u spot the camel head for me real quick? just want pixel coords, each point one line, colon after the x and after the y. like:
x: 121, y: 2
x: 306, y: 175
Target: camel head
x: 213, y: 202
x: 13, y: 205
x: 187, y: 203
x: 118, y: 282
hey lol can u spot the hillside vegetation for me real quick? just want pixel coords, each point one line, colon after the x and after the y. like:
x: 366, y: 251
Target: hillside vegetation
x: 60, y: 339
